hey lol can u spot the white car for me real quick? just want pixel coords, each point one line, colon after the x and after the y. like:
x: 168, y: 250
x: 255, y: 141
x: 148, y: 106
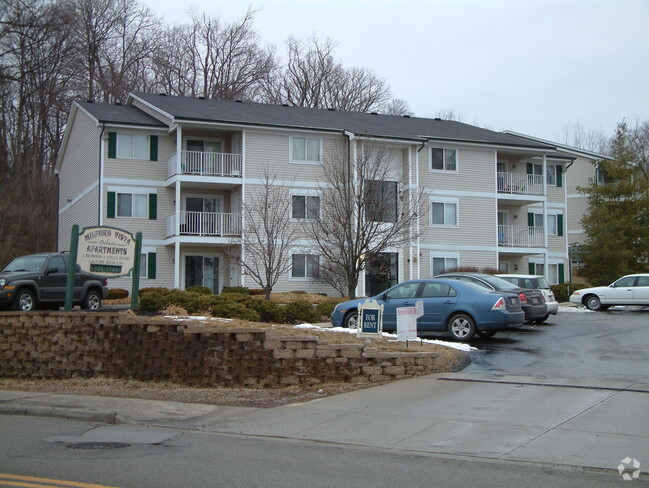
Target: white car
x: 535, y: 282
x: 628, y: 290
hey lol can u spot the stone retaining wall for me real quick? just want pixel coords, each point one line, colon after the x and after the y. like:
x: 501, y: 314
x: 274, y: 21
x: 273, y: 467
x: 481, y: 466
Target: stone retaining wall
x: 76, y: 344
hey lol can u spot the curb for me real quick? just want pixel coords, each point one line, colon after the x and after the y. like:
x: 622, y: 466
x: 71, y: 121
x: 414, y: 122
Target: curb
x: 102, y: 416
x: 463, y: 362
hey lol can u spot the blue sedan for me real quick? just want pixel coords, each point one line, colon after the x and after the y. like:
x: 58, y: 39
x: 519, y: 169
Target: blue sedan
x: 457, y: 308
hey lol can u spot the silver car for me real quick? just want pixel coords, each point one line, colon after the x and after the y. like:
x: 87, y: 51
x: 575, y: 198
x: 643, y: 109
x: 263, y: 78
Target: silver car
x: 537, y: 282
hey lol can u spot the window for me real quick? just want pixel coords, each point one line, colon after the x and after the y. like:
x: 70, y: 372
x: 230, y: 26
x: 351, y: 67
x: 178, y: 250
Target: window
x: 444, y: 212
x: 405, y: 290
x: 555, y: 273
x: 553, y: 176
x: 305, y: 266
x: 305, y: 150
x: 443, y: 159
x: 132, y: 146
x: 132, y: 205
x: 436, y: 290
x: 381, y: 201
x: 57, y: 262
x: 305, y: 207
x: 439, y: 264
x: 552, y: 225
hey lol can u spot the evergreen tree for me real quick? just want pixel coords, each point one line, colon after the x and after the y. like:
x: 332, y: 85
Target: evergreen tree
x: 617, y: 224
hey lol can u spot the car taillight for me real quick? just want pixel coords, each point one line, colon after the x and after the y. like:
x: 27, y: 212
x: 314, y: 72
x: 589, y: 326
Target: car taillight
x: 104, y: 282
x: 542, y: 297
x: 522, y: 297
x: 500, y: 304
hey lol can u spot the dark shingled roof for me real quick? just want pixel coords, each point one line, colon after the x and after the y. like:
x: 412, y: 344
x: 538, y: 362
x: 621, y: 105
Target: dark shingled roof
x: 359, y: 123
x: 110, y: 113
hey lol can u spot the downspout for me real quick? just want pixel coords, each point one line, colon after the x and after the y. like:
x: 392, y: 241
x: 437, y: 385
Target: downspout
x: 350, y: 137
x: 101, y: 175
x: 423, y: 145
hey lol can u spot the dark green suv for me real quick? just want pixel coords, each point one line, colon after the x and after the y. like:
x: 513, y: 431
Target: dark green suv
x: 39, y: 281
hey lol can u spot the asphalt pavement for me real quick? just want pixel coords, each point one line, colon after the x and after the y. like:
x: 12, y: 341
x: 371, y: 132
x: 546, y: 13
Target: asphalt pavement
x: 576, y: 422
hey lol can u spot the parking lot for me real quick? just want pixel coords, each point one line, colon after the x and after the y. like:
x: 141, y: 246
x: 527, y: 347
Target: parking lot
x: 575, y: 343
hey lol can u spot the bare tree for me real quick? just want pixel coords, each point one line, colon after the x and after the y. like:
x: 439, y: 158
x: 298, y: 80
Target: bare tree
x: 269, y: 233
x: 313, y: 78
x: 365, y: 208
x: 576, y: 135
x: 115, y: 42
x: 211, y: 59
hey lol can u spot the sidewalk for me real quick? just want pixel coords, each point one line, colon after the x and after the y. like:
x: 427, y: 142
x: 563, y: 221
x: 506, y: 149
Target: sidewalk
x: 567, y: 422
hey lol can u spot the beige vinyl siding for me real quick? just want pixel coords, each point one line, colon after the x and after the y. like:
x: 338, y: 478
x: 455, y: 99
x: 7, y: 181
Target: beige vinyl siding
x: 479, y: 259
x: 579, y: 174
x: 153, y: 113
x: 151, y: 229
x: 577, y: 209
x: 476, y: 170
x: 83, y: 213
x: 271, y: 149
x: 476, y: 219
x: 140, y: 169
x: 164, y: 271
x: 78, y: 173
x: 556, y: 194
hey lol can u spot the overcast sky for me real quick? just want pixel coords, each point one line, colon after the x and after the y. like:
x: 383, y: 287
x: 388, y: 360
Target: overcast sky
x: 532, y: 66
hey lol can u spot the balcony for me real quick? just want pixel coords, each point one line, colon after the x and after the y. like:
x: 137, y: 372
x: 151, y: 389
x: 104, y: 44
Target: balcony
x: 520, y: 184
x: 197, y: 163
x: 520, y: 236
x: 205, y: 224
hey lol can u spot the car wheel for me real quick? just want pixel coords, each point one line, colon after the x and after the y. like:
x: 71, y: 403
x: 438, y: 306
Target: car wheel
x: 593, y: 302
x: 486, y: 333
x: 351, y: 320
x: 542, y: 319
x: 461, y: 327
x: 24, y: 300
x: 92, y: 300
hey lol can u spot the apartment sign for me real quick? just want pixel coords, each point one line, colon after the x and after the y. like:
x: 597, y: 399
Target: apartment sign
x: 106, y: 251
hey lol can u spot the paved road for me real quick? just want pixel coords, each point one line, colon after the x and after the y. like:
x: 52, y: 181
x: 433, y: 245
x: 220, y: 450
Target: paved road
x: 172, y: 458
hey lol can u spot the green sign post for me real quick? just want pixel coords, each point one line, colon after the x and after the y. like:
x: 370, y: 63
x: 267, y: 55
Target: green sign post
x: 105, y: 252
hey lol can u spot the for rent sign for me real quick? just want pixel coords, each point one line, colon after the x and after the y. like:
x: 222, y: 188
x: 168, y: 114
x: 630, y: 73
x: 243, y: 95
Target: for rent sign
x: 106, y: 251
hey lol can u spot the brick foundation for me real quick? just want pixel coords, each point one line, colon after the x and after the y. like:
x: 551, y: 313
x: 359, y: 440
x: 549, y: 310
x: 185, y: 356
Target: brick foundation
x: 108, y: 345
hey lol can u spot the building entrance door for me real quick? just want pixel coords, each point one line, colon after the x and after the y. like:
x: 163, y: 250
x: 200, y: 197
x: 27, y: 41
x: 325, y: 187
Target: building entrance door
x: 382, y: 272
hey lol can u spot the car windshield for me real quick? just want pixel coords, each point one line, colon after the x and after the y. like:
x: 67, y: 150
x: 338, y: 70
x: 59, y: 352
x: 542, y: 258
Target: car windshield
x: 25, y: 263
x: 542, y: 283
x: 499, y: 283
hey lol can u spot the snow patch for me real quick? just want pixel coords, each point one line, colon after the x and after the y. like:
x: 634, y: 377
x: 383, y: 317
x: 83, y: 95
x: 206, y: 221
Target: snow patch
x: 392, y: 337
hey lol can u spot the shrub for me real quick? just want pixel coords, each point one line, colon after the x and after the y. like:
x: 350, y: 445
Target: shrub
x: 235, y: 289
x: 300, y: 311
x: 203, y: 290
x: 144, y: 291
x: 117, y: 294
x: 268, y: 311
x: 326, y: 308
x: 563, y: 291
x: 223, y: 307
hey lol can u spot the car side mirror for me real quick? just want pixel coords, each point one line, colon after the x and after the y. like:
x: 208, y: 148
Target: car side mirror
x: 51, y: 270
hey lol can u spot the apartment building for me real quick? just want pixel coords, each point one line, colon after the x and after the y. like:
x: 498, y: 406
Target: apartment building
x: 180, y: 170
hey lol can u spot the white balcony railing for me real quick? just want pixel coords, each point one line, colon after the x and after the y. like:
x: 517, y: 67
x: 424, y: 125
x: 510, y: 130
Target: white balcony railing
x: 214, y: 224
x: 520, y: 236
x: 520, y: 183
x: 204, y: 164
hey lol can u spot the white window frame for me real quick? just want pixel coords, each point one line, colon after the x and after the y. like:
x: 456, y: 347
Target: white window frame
x: 220, y: 270
x: 305, y: 253
x: 306, y: 160
x: 121, y: 146
x: 306, y: 194
x: 444, y: 170
x: 552, y: 264
x: 454, y: 201
x: 551, y: 175
x: 445, y: 256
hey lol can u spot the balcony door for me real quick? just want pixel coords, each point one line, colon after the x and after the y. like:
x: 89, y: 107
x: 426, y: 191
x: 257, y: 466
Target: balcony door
x: 202, y: 156
x: 202, y: 271
x: 203, y: 215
